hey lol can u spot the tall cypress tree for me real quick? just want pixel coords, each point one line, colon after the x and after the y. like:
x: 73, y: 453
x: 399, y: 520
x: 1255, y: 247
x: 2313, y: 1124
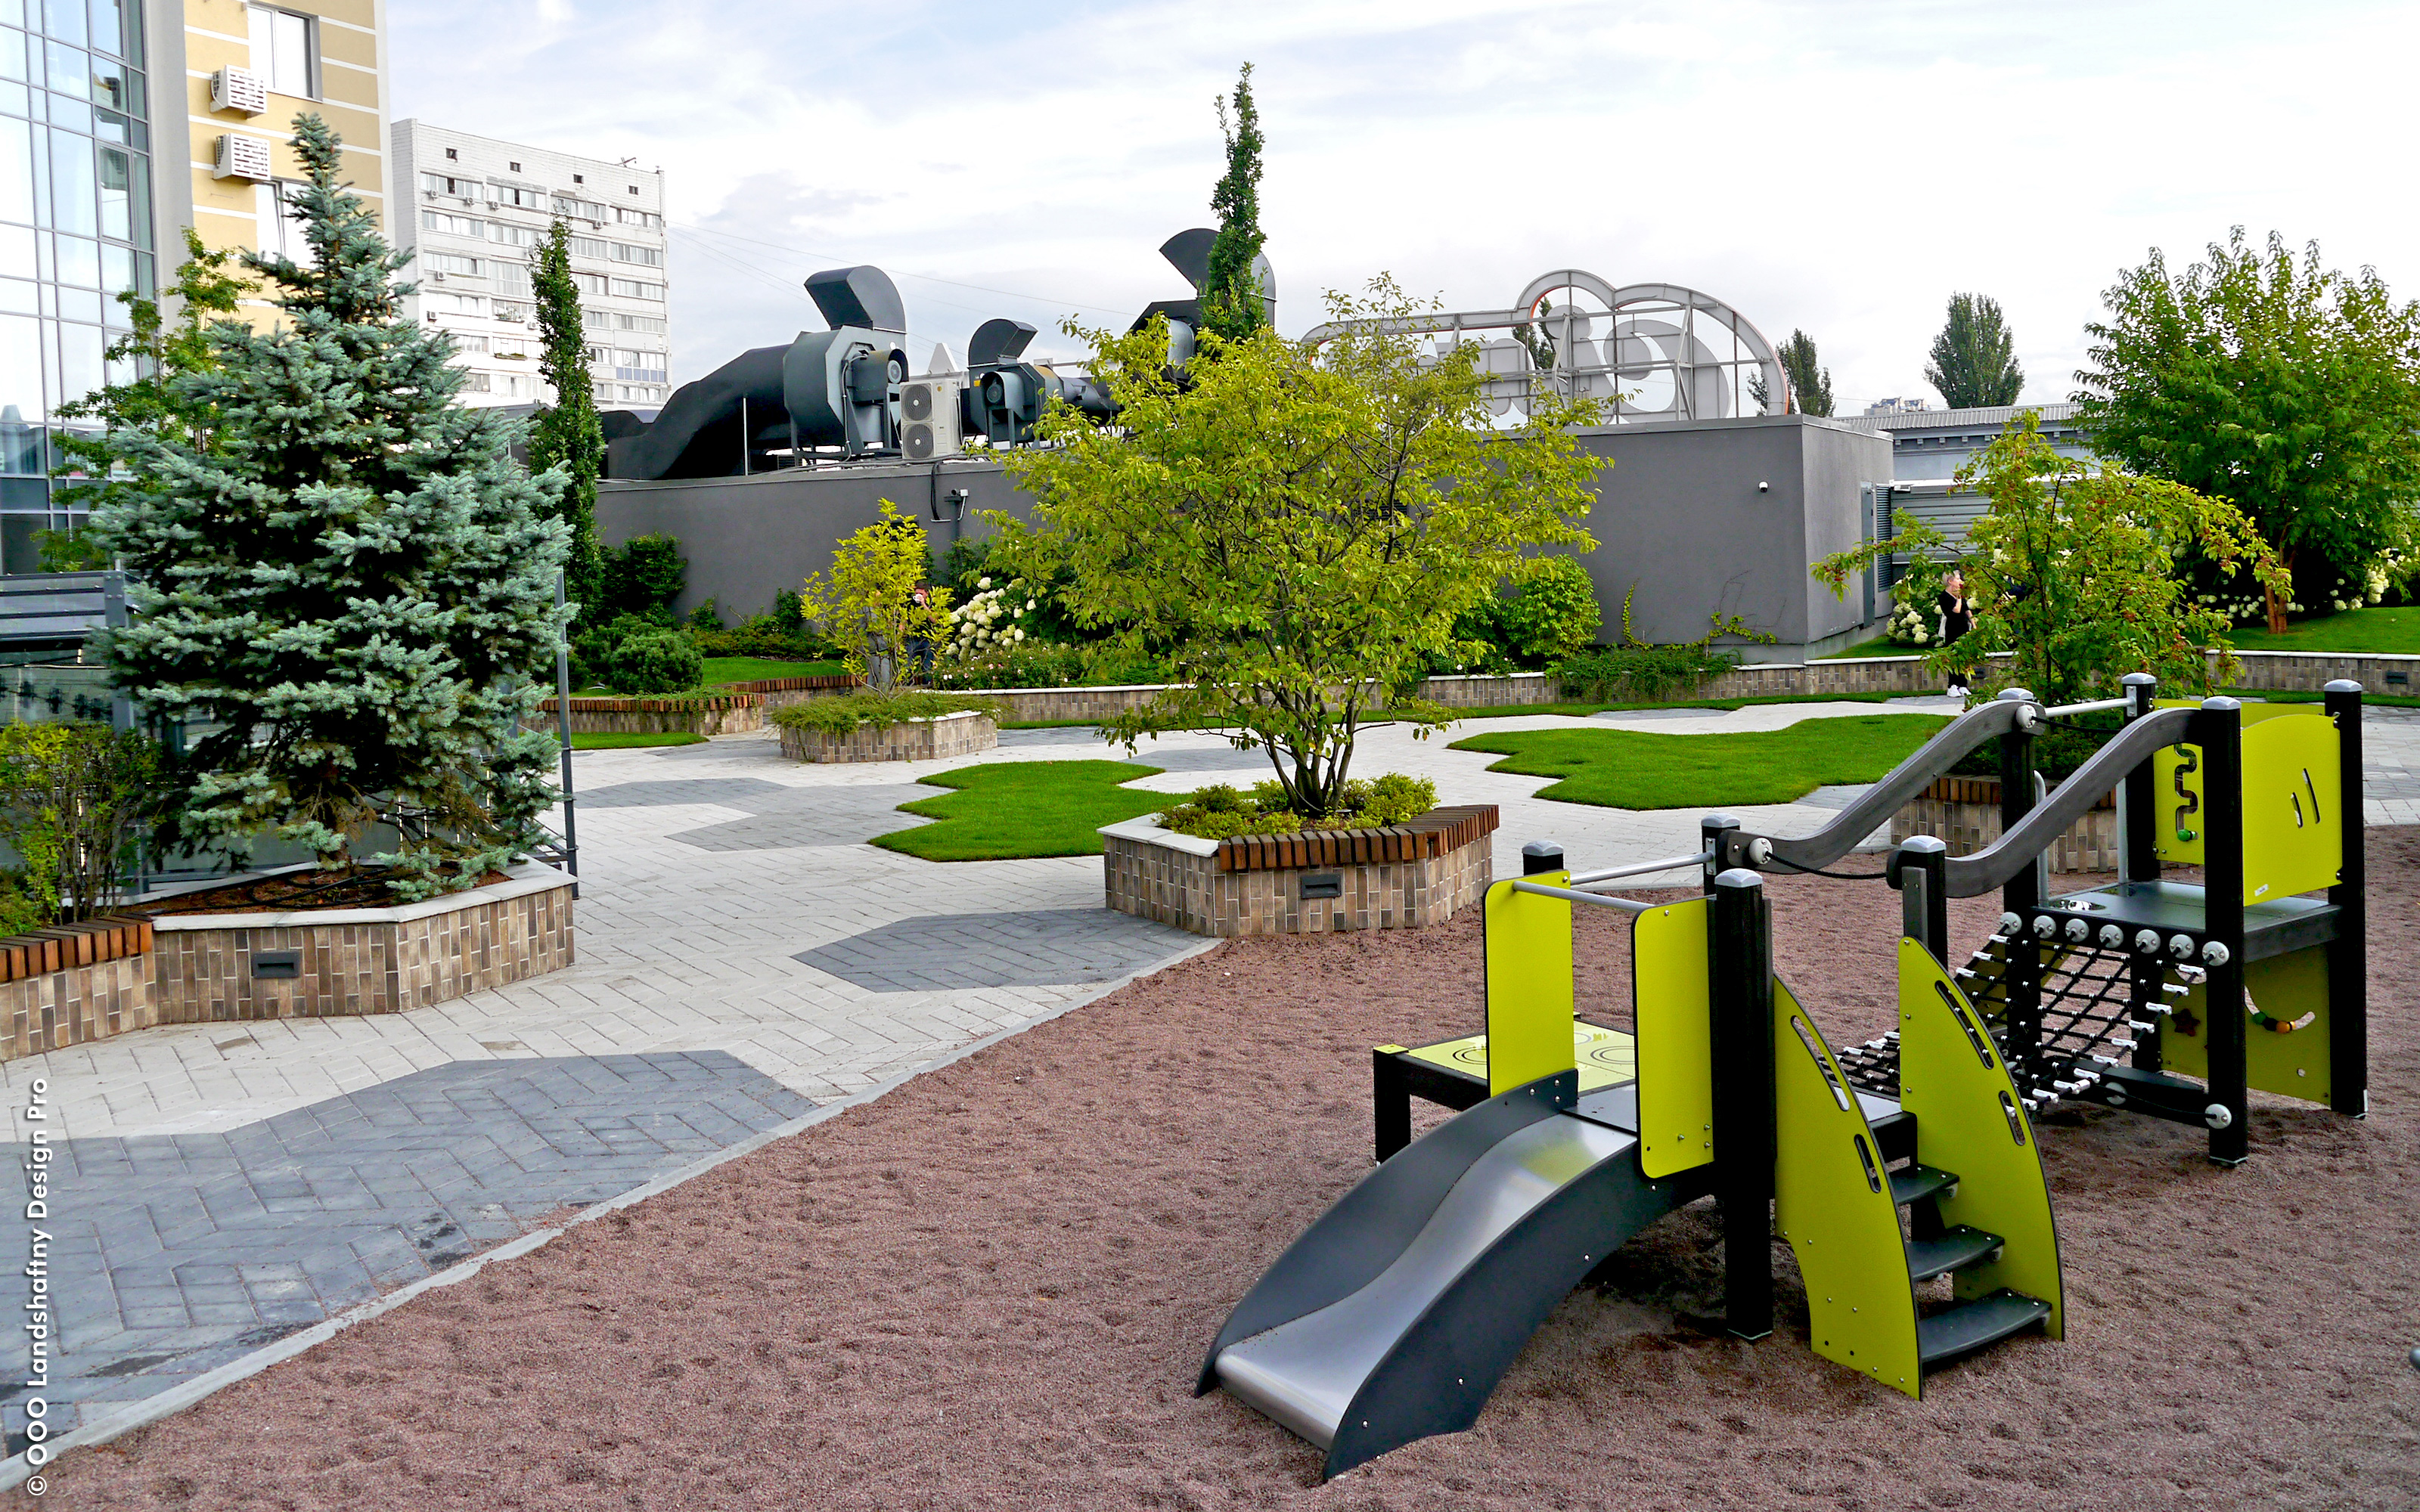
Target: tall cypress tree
x: 1975, y: 359
x: 1231, y: 293
x: 344, y: 572
x: 566, y: 433
x: 1810, y: 381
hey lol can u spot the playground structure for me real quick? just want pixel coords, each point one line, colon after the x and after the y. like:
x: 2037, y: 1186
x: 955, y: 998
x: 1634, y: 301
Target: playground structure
x: 1394, y: 1315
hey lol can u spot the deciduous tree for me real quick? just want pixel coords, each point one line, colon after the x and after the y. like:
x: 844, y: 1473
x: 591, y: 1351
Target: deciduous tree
x: 1810, y: 382
x: 2287, y: 388
x: 1295, y: 530
x: 1232, y: 292
x: 1975, y: 359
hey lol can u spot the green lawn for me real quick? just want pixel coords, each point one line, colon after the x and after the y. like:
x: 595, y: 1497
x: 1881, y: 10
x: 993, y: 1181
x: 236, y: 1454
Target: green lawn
x: 1880, y: 645
x: 720, y: 670
x: 1009, y: 810
x: 1642, y: 770
x: 2375, y: 631
x: 625, y: 741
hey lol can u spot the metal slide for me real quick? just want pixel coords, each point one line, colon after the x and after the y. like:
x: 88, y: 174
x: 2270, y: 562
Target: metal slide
x: 1392, y: 1318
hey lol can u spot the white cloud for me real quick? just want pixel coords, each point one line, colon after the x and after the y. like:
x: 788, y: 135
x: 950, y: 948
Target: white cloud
x: 1842, y: 167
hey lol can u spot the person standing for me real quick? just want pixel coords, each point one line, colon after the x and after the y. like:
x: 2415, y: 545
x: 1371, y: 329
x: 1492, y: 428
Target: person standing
x: 1957, y: 617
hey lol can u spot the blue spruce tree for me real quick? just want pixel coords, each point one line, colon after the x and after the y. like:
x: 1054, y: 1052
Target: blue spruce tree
x: 340, y: 577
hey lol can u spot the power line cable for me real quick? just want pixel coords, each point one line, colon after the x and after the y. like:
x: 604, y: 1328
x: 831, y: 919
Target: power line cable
x: 812, y: 253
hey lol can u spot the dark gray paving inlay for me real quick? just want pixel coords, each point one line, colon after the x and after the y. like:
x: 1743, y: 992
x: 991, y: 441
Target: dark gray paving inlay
x: 1222, y: 759
x: 172, y: 1254
x: 1041, y: 948
x: 787, y: 817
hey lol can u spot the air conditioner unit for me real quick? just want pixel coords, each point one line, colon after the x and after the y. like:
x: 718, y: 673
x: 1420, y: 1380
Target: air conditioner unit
x: 241, y: 157
x: 238, y: 89
x: 928, y: 411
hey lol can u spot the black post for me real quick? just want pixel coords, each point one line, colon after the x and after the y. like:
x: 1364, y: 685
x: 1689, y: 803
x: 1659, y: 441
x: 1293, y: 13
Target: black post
x: 1716, y: 833
x: 2139, y: 847
x: 1743, y: 1097
x: 2021, y: 892
x: 1919, y: 869
x: 2218, y: 729
x: 1541, y: 856
x: 2347, y: 956
x: 562, y: 732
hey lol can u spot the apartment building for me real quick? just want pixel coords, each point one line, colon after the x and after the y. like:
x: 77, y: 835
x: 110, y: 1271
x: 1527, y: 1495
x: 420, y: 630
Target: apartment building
x: 478, y: 208
x: 92, y: 92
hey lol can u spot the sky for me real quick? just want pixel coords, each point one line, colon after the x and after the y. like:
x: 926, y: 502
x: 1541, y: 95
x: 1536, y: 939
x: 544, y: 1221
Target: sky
x: 1840, y: 167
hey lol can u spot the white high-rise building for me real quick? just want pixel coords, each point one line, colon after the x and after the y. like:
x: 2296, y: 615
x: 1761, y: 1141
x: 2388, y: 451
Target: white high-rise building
x: 475, y: 209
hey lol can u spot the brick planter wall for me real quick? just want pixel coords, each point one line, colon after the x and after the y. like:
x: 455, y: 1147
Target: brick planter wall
x: 74, y: 984
x: 1401, y: 876
x: 717, y: 714
x: 912, y: 740
x: 204, y: 966
x: 1965, y: 811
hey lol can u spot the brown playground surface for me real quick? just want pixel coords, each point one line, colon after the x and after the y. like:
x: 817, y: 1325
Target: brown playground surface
x: 992, y: 1288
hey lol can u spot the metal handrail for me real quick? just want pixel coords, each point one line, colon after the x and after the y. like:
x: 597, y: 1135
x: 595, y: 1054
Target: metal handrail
x: 1643, y: 869
x: 1628, y: 906
x: 1989, y: 868
x: 2093, y: 707
x: 1908, y: 778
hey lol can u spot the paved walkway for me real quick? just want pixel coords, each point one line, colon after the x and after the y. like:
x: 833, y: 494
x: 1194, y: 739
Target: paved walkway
x: 743, y: 954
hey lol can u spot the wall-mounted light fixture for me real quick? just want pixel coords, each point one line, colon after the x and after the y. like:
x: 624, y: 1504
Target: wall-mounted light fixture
x: 1765, y: 488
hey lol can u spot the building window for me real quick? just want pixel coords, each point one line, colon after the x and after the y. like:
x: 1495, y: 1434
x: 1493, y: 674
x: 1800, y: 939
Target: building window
x: 451, y: 153
x: 630, y: 217
x: 280, y: 223
x: 593, y: 320
x: 512, y: 236
x: 454, y: 225
x: 588, y: 282
x: 512, y: 167
x: 590, y: 247
x: 474, y: 383
x: 438, y: 183
x: 449, y: 262
x: 585, y: 210
x: 651, y: 257
x: 651, y: 323
x: 580, y: 179
x: 286, y: 51
x: 511, y: 278
x: 517, y: 196
x: 524, y: 313
x: 439, y: 302
x: 465, y: 342
x: 631, y: 288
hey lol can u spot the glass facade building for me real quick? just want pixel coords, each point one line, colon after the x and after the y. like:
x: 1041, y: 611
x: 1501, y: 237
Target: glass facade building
x: 75, y: 229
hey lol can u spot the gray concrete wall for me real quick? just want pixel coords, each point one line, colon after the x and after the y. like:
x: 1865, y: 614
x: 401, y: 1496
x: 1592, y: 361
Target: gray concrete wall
x: 1679, y: 515
x: 748, y: 538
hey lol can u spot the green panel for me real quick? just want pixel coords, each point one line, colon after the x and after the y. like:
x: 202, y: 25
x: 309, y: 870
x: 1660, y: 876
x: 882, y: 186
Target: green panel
x: 2285, y: 1046
x: 2181, y: 816
x: 1607, y: 1058
x: 1674, y: 1012
x: 2293, y: 815
x: 1969, y: 1122
x: 1528, y: 984
x: 1832, y: 1201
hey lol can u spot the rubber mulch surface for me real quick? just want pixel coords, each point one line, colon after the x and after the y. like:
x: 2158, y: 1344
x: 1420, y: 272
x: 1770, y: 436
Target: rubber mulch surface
x: 992, y: 1288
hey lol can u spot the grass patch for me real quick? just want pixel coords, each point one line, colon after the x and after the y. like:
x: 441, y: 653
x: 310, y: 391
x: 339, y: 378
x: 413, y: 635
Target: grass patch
x: 722, y: 669
x: 1880, y: 645
x: 1648, y: 770
x: 631, y: 740
x: 1511, y: 711
x: 2377, y: 632
x: 1007, y: 810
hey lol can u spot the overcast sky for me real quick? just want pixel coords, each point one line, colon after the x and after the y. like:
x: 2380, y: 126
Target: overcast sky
x: 1840, y: 168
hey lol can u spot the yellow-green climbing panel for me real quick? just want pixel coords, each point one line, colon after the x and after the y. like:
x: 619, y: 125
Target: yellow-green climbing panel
x: 2292, y: 836
x: 1675, y: 1015
x: 1969, y: 1122
x: 1832, y: 1202
x: 2286, y: 1039
x: 1528, y: 984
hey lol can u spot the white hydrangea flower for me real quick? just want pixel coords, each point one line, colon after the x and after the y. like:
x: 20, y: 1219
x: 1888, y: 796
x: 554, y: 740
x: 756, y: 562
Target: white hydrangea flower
x: 983, y: 583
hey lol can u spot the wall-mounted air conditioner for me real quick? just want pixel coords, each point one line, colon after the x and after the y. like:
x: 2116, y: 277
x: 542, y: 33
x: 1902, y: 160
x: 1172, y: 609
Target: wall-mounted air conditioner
x: 928, y: 411
x: 238, y: 89
x: 241, y: 157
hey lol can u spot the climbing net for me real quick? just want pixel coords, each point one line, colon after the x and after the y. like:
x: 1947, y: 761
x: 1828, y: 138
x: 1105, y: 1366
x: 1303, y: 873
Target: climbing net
x: 2088, y: 1004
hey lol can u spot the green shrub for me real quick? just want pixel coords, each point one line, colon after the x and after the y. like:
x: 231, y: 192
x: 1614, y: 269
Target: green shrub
x: 75, y: 798
x: 1639, y: 675
x: 1219, y: 811
x: 643, y: 576
x: 656, y: 661
x: 1553, y: 614
x: 878, y: 710
x: 706, y: 618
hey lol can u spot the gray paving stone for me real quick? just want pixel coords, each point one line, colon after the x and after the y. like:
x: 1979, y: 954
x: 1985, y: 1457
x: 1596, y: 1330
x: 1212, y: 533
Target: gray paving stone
x: 1039, y: 948
x: 805, y: 816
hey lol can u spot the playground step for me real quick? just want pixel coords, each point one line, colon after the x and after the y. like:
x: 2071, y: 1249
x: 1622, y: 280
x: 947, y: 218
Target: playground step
x: 1959, y: 1248
x: 1969, y: 1326
x: 1914, y: 1183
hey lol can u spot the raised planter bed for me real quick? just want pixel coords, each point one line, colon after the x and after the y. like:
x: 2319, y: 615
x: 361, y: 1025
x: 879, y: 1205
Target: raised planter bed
x: 74, y: 984
x: 1396, y: 876
x: 909, y: 740
x: 702, y: 714
x: 1965, y: 811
